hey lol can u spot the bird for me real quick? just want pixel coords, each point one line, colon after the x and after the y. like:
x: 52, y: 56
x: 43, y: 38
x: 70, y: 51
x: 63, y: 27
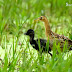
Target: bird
x: 53, y: 36
x: 35, y: 43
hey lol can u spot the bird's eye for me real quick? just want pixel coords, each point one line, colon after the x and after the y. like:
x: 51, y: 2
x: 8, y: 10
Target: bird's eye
x: 41, y: 18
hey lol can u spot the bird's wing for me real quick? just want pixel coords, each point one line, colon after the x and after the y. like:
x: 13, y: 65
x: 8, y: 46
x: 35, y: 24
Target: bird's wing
x: 54, y: 35
x: 62, y: 42
x: 42, y: 42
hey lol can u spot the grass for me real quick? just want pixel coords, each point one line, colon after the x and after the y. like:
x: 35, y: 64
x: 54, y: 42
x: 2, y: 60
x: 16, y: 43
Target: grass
x: 16, y: 17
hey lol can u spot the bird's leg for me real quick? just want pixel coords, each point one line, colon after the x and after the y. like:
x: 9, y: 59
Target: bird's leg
x: 50, y: 53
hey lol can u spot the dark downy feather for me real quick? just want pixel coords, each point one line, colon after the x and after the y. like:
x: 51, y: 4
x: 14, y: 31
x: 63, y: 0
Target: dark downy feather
x: 35, y: 43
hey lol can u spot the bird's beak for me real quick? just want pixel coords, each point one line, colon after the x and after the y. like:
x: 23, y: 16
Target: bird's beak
x: 36, y: 20
x: 25, y: 33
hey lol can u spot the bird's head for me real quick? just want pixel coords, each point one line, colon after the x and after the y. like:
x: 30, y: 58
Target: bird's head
x: 42, y: 18
x: 30, y: 33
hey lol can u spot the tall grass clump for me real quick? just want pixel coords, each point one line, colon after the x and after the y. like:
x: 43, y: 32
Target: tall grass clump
x: 16, y: 53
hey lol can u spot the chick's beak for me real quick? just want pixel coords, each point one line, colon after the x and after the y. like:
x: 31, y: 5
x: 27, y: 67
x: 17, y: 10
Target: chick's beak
x: 25, y: 33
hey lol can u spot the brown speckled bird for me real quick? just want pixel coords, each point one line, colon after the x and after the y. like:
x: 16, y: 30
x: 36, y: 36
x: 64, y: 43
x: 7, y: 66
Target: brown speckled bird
x: 53, y: 36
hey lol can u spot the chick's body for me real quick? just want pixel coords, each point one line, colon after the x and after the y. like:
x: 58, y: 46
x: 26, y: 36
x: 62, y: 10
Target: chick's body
x: 38, y: 44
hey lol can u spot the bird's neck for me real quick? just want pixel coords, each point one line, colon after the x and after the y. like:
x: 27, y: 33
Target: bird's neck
x: 31, y: 38
x: 47, y: 28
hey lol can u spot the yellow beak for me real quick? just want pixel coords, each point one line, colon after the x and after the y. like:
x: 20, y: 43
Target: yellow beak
x: 36, y: 20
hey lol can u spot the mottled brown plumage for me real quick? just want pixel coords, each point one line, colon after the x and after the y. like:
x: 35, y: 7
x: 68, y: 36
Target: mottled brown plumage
x: 53, y: 36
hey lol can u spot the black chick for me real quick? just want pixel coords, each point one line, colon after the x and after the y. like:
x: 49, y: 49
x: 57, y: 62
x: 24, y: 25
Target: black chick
x: 38, y: 43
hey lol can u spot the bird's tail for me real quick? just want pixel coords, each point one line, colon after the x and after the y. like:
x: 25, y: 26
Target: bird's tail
x: 70, y: 48
x: 70, y: 43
